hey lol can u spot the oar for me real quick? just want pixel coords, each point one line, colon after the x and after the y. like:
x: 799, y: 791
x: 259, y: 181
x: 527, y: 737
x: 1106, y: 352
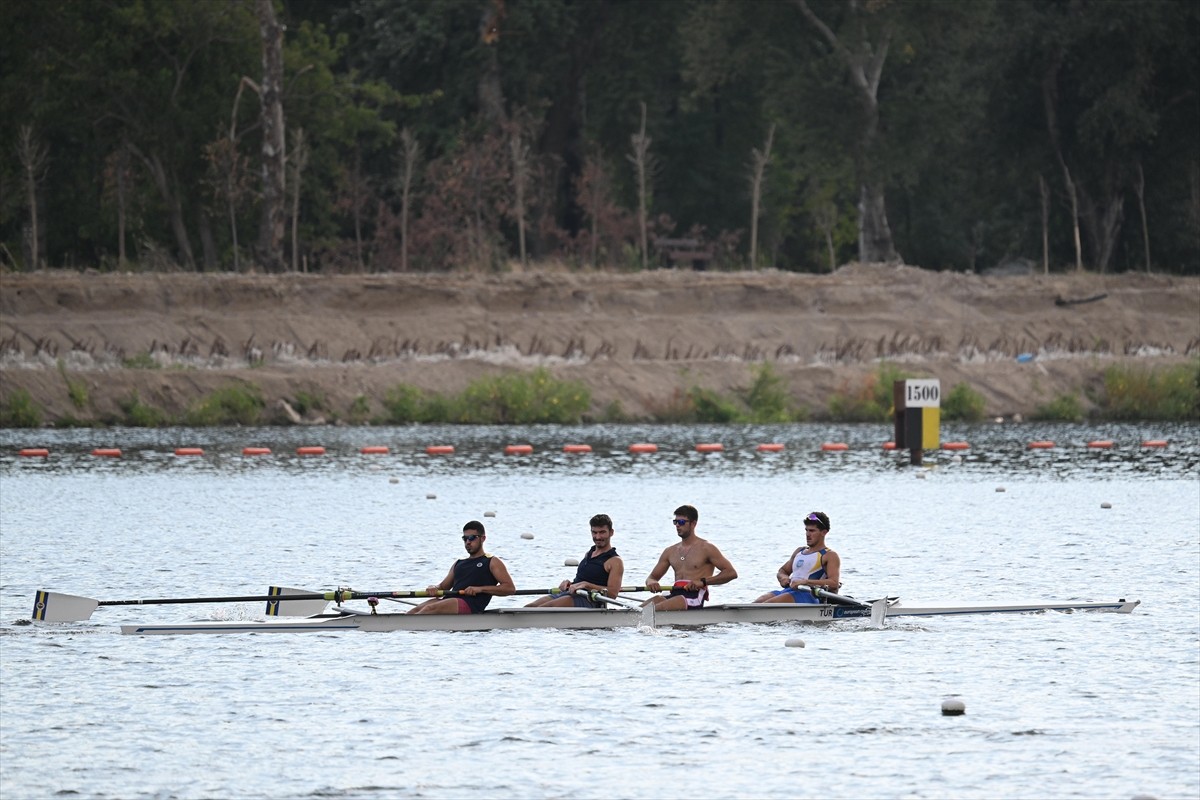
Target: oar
x: 647, y: 610
x: 57, y: 607
x: 878, y: 607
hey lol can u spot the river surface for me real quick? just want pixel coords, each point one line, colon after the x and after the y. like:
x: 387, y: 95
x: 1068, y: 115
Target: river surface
x: 1085, y: 705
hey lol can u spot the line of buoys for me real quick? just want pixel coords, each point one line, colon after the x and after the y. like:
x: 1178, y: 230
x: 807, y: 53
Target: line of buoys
x: 189, y: 451
x: 770, y: 447
x: 35, y: 452
x: 1154, y: 443
x: 834, y: 447
x: 1041, y: 445
x: 440, y: 450
x: 256, y: 451
x: 518, y: 449
x: 1100, y: 444
x: 643, y: 447
x: 310, y: 451
x: 955, y: 446
x: 374, y: 450
x: 710, y: 447
x: 577, y: 448
x: 889, y: 445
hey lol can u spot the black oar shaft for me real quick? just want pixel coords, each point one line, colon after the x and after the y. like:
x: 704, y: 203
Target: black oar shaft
x: 336, y: 596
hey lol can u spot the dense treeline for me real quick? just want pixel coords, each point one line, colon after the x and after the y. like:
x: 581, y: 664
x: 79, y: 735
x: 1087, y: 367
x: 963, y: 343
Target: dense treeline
x: 372, y: 135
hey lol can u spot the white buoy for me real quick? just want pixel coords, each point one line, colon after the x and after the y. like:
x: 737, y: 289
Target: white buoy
x: 393, y: 480
x: 920, y: 475
x: 571, y: 562
x: 1000, y: 489
x: 794, y: 643
x: 431, y: 497
x: 953, y: 708
x: 489, y: 513
x: 956, y: 460
x: 526, y: 535
x: 1106, y: 505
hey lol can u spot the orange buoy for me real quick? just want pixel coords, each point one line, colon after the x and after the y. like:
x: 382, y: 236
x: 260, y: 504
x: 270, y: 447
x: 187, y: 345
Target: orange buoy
x: 889, y: 445
x: 834, y: 447
x: 107, y: 452
x: 1041, y: 445
x: 577, y: 448
x: 440, y: 450
x: 310, y: 451
x: 256, y: 451
x: 374, y: 450
x: 518, y: 449
x: 35, y: 452
x: 770, y: 447
x: 955, y: 446
x: 710, y: 447
x: 643, y: 447
x: 1101, y: 444
x: 188, y: 451
x: 1154, y: 443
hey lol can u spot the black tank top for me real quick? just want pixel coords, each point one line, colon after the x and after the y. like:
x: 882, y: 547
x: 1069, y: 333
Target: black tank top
x: 592, y: 569
x: 474, y: 572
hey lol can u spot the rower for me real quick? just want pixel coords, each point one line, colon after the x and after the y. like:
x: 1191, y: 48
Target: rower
x: 475, y: 579
x: 697, y: 564
x: 812, y: 566
x: 601, y: 570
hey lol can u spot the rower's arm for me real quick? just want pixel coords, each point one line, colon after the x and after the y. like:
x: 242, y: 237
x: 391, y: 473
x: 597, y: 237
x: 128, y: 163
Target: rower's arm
x: 616, y: 574
x: 725, y: 570
x: 659, y: 570
x: 500, y: 573
x: 445, y: 584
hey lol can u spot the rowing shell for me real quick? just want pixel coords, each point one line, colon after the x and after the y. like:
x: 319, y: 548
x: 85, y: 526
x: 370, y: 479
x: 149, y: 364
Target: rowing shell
x: 586, y: 618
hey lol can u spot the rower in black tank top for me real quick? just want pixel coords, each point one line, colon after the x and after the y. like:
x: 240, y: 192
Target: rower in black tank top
x: 475, y: 571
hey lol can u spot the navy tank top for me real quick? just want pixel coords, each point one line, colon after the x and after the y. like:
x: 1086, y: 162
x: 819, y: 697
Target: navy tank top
x: 592, y: 569
x: 474, y: 572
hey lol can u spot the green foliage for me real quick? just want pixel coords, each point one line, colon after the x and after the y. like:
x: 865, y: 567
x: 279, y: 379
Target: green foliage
x: 140, y: 361
x: 768, y: 398
x: 359, y: 411
x: 523, y: 399
x: 19, y: 410
x: 76, y: 390
x: 868, y: 399
x: 305, y: 402
x: 963, y: 403
x: 1064, y: 408
x: 141, y: 415
x: 710, y: 406
x: 1166, y: 393
x: 232, y: 405
x: 403, y: 404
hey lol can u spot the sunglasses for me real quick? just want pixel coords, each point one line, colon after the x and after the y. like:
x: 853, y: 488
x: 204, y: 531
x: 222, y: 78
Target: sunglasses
x: 471, y: 538
x: 679, y: 523
x: 814, y: 518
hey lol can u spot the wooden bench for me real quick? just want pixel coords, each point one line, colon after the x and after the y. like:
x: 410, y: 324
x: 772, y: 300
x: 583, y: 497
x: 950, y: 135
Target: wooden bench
x: 691, y: 251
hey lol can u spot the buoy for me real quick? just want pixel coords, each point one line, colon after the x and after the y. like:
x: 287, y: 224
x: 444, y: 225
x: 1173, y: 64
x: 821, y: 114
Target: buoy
x: 256, y: 451
x: 794, y: 643
x: 955, y: 446
x: 489, y: 513
x: 1154, y: 443
x: 1101, y: 444
x: 393, y: 480
x: 430, y: 496
x: 571, y: 562
x: 770, y: 447
x: 188, y: 451
x: 953, y: 708
x: 1041, y: 445
x: 1106, y: 505
x: 107, y: 452
x: 834, y: 447
x: 920, y: 475
x: 310, y: 451
x: 374, y: 450
x: 440, y: 450
x: 35, y: 452
x: 889, y: 445
x: 643, y: 447
x: 710, y: 447
x: 1000, y: 489
x: 526, y: 535
x: 518, y: 449
x: 577, y: 448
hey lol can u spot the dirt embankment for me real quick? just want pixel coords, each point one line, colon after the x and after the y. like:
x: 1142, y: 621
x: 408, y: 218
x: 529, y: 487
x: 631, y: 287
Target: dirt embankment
x: 635, y: 338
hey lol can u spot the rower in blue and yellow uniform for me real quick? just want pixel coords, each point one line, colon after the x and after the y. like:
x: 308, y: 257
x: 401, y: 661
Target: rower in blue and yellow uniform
x: 601, y: 570
x: 812, y: 566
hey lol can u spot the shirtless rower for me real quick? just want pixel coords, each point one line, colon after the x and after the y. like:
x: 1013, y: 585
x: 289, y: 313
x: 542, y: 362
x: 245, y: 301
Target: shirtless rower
x: 694, y: 561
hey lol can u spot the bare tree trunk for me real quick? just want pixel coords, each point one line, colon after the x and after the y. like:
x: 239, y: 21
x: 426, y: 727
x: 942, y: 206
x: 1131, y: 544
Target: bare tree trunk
x: 641, y: 160
x: 357, y: 201
x: 208, y: 245
x: 1074, y: 217
x: 1050, y: 102
x: 270, y: 231
x: 122, y: 174
x: 759, y: 161
x: 520, y: 176
x: 298, y: 160
x: 826, y: 218
x: 412, y: 152
x: 865, y: 66
x: 1139, y: 188
x: 170, y: 198
x: 1044, y: 190
x: 33, y: 162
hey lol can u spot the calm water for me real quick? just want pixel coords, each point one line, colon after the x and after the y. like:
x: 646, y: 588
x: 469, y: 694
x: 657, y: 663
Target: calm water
x: 1083, y: 705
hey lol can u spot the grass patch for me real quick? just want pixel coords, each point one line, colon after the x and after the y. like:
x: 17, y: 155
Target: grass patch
x: 140, y: 361
x: 768, y: 400
x: 1064, y: 408
x: 76, y: 390
x: 232, y: 405
x: 963, y: 403
x: 20, y: 410
x: 142, y: 415
x: 869, y: 399
x: 359, y: 411
x: 1138, y: 393
x: 514, y: 399
x: 305, y: 402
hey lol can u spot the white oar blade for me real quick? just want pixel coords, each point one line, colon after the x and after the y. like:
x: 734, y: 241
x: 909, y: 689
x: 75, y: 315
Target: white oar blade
x: 293, y: 608
x: 55, y: 607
